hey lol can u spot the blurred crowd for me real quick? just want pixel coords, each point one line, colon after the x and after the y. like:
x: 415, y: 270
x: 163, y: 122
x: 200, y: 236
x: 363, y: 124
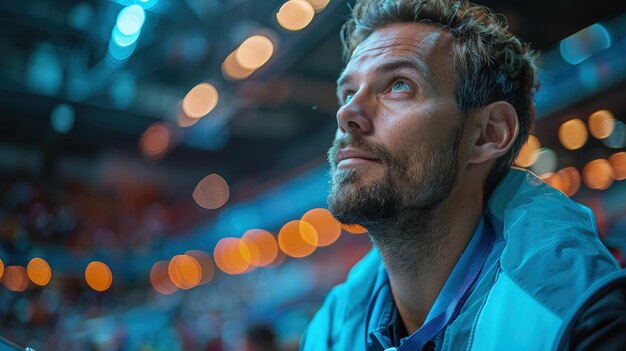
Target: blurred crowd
x: 265, y: 310
x: 83, y: 217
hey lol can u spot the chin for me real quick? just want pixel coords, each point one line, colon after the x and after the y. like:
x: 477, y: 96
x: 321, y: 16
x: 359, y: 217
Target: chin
x: 353, y: 201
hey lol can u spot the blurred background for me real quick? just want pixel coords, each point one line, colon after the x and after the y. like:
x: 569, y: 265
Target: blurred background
x: 162, y: 163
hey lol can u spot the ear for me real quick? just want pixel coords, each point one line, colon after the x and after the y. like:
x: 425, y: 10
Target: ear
x: 499, y: 127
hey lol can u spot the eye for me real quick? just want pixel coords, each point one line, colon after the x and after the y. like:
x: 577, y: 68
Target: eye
x: 400, y: 86
x: 347, y: 96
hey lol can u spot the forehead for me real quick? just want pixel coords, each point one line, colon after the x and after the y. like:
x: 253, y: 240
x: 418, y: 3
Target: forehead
x: 426, y: 44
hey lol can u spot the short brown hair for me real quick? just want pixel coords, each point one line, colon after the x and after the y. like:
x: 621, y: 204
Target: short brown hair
x: 491, y: 64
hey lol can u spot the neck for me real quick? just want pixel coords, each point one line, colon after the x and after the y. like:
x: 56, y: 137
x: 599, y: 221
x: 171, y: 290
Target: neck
x: 420, y: 247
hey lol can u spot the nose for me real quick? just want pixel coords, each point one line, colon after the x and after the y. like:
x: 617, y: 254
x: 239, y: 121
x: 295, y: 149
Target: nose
x: 354, y: 117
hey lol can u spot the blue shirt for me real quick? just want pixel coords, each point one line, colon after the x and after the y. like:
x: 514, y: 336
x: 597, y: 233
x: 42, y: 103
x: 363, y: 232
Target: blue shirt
x: 386, y: 328
x: 545, y: 255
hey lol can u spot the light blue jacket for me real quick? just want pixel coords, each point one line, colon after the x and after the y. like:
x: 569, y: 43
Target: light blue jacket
x: 548, y: 254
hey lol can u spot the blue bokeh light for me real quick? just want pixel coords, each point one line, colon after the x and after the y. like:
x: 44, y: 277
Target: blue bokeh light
x: 81, y: 15
x: 62, y: 118
x: 147, y: 4
x: 130, y: 20
x: 123, y: 40
x: 127, y: 29
x: 121, y: 53
x: 582, y: 45
x: 617, y: 139
x: 45, y: 70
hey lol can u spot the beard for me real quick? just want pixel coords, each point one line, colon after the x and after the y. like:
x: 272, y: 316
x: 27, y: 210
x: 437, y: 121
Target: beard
x: 411, y: 188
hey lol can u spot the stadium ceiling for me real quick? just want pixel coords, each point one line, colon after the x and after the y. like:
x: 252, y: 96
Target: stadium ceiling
x: 281, y: 117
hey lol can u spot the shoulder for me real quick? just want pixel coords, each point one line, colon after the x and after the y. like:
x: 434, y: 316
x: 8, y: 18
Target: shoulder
x: 553, y: 252
x: 551, y: 256
x: 344, y: 309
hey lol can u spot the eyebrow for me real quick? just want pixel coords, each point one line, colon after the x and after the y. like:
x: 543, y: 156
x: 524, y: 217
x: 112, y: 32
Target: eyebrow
x: 390, y: 66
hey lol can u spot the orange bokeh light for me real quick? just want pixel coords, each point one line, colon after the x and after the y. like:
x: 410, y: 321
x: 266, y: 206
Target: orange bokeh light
x: 98, y: 276
x: 39, y: 271
x: 200, y: 100
x: 295, y: 14
x: 598, y: 174
x: 15, y: 278
x: 1, y: 268
x: 184, y: 271
x: 574, y: 178
x: 184, y: 121
x: 212, y: 192
x: 327, y: 227
x: 529, y: 153
x: 206, y: 265
x: 232, y: 70
x: 601, y: 124
x: 318, y: 5
x: 297, y: 239
x: 553, y: 179
x: 232, y: 256
x: 254, y: 52
x: 160, y: 278
x: 573, y: 134
x: 567, y: 180
x: 262, y: 245
x: 155, y: 141
x: 618, y: 163
x: 354, y: 228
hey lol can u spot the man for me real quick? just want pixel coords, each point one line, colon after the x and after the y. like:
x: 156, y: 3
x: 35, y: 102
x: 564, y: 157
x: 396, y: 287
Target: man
x: 469, y: 254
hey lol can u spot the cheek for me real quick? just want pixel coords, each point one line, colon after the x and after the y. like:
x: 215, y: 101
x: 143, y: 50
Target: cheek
x: 420, y: 149
x: 421, y: 119
x: 408, y: 139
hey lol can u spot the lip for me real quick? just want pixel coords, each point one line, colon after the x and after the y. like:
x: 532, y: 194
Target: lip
x: 350, y: 157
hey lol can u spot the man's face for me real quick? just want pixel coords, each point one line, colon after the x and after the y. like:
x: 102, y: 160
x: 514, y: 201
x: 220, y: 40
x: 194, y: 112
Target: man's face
x: 400, y: 127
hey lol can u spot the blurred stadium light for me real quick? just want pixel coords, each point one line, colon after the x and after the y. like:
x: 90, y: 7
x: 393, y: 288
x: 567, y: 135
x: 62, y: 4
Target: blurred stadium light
x: 577, y: 75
